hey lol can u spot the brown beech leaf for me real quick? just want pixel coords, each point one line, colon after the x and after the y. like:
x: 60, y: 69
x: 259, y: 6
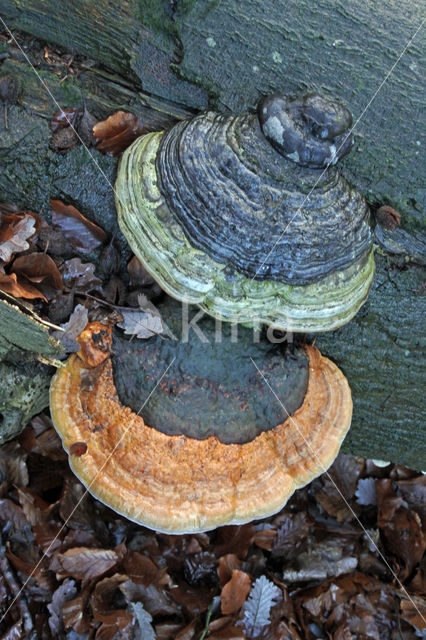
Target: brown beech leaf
x: 46, y: 444
x: 388, y: 218
x: 75, y: 614
x: 13, y: 464
x: 155, y: 599
x: 405, y: 539
x: 13, y: 514
x: 415, y: 614
x: 106, y: 598
x: 14, y: 233
x: 227, y: 564
x: 39, y: 269
x: 194, y: 600
x: 235, y: 592
x: 82, y: 234
x: 85, y: 562
x: 414, y: 493
x: 117, y: 132
x: 10, y: 284
x: 265, y: 538
x: 142, y: 569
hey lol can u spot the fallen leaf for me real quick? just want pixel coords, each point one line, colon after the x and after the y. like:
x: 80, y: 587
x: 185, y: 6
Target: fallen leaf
x: 75, y: 613
x: 40, y: 269
x: 388, y: 218
x: 366, y: 491
x: 144, y: 619
x: 265, y: 538
x: 75, y: 325
x: 15, y: 230
x: 142, y: 324
x: 258, y: 607
x: 227, y: 564
x: 65, y: 592
x: 13, y: 514
x: 139, y: 276
x: 63, y: 119
x: 80, y: 275
x: 414, y: 614
x: 117, y: 132
x: 82, y: 234
x: 228, y: 633
x: 322, y: 560
x: 291, y: 535
x: 84, y: 563
x: 235, y: 592
x: 10, y: 284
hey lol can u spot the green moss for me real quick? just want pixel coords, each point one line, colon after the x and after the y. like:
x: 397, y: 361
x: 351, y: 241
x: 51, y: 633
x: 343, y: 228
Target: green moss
x: 160, y: 14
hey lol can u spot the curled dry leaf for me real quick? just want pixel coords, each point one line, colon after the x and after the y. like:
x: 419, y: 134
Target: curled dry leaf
x: 117, y: 132
x: 10, y: 284
x: 82, y: 234
x: 14, y: 233
x: 235, y: 592
x: 39, y: 268
x: 366, y: 492
x: 388, y: 218
x: 227, y: 564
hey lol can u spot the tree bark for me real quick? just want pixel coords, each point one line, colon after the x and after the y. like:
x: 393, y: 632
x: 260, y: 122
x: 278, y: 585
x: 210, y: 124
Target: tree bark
x: 161, y: 64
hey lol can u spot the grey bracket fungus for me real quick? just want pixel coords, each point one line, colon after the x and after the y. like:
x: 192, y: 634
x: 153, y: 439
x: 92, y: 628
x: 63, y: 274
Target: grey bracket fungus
x: 248, y: 217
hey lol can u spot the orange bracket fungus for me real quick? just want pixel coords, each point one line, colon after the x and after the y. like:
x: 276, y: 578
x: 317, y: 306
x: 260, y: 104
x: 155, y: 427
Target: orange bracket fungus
x: 211, y: 445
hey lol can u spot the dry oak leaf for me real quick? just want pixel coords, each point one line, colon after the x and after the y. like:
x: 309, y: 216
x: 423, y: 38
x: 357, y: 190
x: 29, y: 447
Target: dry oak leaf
x: 263, y: 596
x: 14, y: 233
x: 235, y: 592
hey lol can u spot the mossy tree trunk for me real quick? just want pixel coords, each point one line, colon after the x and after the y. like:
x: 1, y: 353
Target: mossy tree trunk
x: 162, y: 62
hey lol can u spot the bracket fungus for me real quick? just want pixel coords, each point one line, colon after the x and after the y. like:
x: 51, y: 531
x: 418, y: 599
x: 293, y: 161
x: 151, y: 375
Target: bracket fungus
x: 248, y: 217
x: 211, y: 446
